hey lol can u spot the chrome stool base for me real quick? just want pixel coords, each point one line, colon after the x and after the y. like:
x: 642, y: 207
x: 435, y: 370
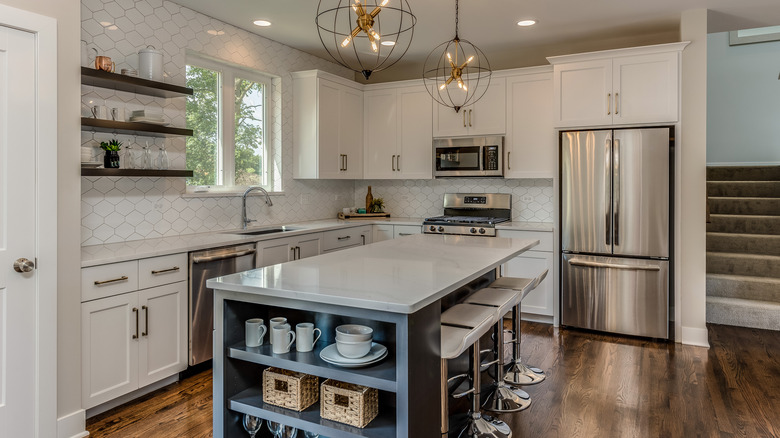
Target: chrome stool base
x: 520, y: 374
x: 507, y: 399
x: 485, y: 427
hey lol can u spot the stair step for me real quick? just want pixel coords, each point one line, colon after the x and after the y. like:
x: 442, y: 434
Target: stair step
x: 743, y: 264
x: 744, y: 287
x: 748, y: 206
x: 743, y: 313
x: 766, y: 244
x: 744, y: 189
x: 743, y: 173
x: 743, y: 224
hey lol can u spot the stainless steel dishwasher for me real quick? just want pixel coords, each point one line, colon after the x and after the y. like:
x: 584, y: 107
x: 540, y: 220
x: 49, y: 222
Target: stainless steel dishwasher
x: 204, y: 265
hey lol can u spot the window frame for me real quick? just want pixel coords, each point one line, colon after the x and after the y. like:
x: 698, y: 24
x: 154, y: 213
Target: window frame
x: 226, y: 147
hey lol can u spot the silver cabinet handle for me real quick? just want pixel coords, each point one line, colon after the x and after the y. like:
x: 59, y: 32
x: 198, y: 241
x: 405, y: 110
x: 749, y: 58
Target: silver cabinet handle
x: 122, y: 278
x: 470, y: 118
x: 464, y: 118
x: 146, y: 324
x: 293, y: 252
x: 346, y: 162
x: 508, y: 162
x: 231, y: 255
x: 135, y: 310
x: 616, y: 191
x: 607, y: 185
x: 344, y: 238
x: 363, y: 239
x: 609, y: 104
x: 406, y: 234
x: 162, y: 271
x: 617, y: 100
x: 392, y: 160
x: 398, y: 163
x: 298, y: 250
x: 589, y: 264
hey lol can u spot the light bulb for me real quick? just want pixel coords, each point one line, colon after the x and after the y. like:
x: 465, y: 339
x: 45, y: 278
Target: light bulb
x: 346, y: 41
x: 449, y: 56
x: 384, y: 2
x: 442, y: 86
x: 471, y: 58
x: 374, y: 47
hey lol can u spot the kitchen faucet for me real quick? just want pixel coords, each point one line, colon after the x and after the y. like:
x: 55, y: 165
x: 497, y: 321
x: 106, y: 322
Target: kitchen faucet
x: 244, y: 220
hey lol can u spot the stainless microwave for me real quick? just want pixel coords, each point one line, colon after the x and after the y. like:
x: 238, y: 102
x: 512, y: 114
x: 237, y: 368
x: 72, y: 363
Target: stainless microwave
x: 468, y: 156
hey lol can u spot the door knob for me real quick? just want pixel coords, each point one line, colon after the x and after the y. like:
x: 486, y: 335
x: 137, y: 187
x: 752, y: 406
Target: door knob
x: 24, y: 265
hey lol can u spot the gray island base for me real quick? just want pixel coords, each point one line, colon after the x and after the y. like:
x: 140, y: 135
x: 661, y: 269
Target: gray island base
x: 398, y: 287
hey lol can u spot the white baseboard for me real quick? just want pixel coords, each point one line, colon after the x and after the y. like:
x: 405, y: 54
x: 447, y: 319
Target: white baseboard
x: 72, y: 425
x: 544, y: 319
x: 695, y: 336
x: 761, y: 163
x: 111, y: 404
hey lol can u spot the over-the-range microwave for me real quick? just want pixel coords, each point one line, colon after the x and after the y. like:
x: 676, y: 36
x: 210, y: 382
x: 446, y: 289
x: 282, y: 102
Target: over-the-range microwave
x: 468, y: 156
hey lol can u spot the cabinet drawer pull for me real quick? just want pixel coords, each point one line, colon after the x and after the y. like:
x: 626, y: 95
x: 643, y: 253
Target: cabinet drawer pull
x: 162, y: 271
x: 609, y: 104
x: 135, y: 310
x: 146, y: 324
x: 122, y: 278
x: 344, y: 238
x: 508, y: 162
x: 406, y: 234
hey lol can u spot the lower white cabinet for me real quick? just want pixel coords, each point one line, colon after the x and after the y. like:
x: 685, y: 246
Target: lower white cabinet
x: 382, y: 232
x: 406, y: 230
x: 275, y: 251
x: 539, y: 305
x: 336, y: 240
x: 132, y: 340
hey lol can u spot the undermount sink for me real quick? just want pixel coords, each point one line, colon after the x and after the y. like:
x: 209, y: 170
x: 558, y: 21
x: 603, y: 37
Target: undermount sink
x: 262, y: 231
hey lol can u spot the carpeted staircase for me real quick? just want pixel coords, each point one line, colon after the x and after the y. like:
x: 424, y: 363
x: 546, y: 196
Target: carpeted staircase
x: 743, y: 246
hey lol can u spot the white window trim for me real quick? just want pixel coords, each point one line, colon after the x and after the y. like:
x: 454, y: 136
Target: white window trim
x: 226, y: 139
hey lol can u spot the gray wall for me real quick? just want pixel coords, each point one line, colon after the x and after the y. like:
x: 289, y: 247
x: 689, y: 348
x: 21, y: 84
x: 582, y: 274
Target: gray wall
x: 743, y: 102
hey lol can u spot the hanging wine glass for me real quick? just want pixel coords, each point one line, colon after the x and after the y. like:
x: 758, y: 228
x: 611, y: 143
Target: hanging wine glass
x: 307, y: 434
x: 162, y: 158
x: 275, y: 428
x: 146, y: 157
x: 252, y: 425
x: 288, y: 432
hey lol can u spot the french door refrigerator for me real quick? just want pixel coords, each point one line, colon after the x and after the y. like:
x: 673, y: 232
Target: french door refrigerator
x: 616, y: 233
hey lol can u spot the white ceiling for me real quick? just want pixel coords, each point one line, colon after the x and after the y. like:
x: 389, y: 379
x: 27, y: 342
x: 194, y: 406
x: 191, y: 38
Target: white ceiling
x: 564, y: 26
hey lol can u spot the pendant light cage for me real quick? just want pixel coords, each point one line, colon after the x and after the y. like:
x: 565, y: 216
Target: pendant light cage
x: 365, y: 36
x: 456, y: 73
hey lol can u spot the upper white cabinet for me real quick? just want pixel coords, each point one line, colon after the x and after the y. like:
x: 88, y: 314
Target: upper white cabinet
x: 327, y: 127
x: 485, y: 117
x: 617, y: 87
x: 530, y: 147
x: 398, y: 133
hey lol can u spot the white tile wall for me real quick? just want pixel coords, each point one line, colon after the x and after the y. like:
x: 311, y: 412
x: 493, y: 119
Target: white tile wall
x: 123, y: 209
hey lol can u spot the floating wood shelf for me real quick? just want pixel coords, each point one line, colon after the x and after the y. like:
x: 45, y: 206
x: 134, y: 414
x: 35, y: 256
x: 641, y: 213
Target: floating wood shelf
x: 91, y: 171
x: 103, y: 79
x: 132, y: 128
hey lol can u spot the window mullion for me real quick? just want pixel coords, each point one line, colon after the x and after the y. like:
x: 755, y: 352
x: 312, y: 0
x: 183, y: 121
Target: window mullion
x: 228, y: 128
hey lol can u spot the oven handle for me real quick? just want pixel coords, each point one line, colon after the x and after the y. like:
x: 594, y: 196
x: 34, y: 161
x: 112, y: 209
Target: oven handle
x: 230, y: 255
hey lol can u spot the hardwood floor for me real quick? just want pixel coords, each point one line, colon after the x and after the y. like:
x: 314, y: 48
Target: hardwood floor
x: 597, y: 386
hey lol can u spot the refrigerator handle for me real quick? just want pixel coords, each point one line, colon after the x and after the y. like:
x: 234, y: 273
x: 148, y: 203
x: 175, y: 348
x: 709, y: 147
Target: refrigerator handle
x: 616, y: 191
x: 607, y: 172
x: 590, y: 264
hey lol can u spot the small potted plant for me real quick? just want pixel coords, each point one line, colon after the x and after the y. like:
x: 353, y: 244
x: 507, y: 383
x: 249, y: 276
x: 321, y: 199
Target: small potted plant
x: 111, y: 159
x: 377, y: 206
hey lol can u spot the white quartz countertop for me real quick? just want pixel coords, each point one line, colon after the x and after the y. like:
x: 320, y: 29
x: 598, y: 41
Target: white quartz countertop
x: 138, y: 249
x: 399, y: 275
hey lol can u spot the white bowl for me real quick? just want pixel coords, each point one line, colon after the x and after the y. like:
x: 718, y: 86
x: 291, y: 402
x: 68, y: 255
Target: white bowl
x: 353, y: 350
x: 354, y: 332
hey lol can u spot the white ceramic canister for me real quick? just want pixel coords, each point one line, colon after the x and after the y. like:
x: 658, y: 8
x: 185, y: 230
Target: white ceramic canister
x: 150, y: 64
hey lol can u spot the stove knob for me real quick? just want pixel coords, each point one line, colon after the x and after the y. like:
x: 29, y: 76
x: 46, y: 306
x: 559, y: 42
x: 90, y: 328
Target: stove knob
x: 441, y: 229
x: 481, y: 231
x: 473, y: 231
x: 433, y: 228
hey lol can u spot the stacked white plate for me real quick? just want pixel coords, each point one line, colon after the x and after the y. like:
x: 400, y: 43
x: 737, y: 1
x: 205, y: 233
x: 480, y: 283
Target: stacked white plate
x: 330, y: 354
x: 144, y: 116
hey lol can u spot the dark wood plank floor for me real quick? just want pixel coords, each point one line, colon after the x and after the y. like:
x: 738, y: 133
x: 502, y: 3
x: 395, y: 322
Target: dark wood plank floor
x: 597, y: 386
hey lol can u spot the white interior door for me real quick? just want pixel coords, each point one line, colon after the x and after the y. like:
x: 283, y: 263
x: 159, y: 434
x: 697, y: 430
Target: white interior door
x: 18, y: 292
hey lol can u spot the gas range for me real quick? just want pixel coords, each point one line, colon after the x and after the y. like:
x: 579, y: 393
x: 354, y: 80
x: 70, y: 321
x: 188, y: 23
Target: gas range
x: 471, y: 214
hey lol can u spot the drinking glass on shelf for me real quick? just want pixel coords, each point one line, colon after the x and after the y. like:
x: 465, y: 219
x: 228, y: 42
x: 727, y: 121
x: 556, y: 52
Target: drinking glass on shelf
x: 146, y: 157
x: 162, y: 158
x: 252, y: 425
x: 127, y: 160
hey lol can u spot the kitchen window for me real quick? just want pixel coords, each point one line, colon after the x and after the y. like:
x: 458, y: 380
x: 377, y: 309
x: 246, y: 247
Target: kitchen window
x: 229, y: 115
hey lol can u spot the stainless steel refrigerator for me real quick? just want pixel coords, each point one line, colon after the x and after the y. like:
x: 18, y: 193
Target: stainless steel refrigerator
x: 616, y: 230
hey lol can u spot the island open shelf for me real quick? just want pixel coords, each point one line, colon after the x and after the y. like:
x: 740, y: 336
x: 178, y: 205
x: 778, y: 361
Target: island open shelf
x: 250, y: 401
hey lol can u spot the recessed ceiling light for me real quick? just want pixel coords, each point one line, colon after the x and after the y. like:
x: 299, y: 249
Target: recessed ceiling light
x: 388, y: 43
x: 262, y: 23
x: 215, y: 32
x: 526, y: 23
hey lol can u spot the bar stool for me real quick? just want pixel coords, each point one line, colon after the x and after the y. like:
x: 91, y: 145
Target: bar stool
x: 504, y: 398
x: 519, y: 374
x: 462, y: 326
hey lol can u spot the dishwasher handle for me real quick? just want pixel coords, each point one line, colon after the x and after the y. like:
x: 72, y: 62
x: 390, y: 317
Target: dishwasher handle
x: 229, y: 255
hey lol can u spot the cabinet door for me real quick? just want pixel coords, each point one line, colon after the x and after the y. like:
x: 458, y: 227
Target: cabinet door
x: 583, y: 93
x: 531, y: 147
x: 351, y: 132
x: 366, y: 235
x: 646, y: 88
x: 109, y: 353
x: 272, y: 252
x: 406, y: 230
x: 448, y: 123
x: 488, y: 115
x: 382, y: 232
x: 381, y: 134
x: 163, y: 325
x: 328, y: 119
x: 415, y: 131
x: 309, y: 245
x: 529, y: 265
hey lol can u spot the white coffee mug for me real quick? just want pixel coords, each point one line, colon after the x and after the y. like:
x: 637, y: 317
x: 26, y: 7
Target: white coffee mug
x: 283, y: 338
x: 304, y: 333
x: 100, y: 112
x: 118, y: 114
x: 255, y: 332
x: 279, y: 320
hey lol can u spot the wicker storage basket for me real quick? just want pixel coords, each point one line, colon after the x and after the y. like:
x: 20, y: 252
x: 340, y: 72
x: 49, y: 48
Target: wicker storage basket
x: 348, y: 403
x: 289, y: 389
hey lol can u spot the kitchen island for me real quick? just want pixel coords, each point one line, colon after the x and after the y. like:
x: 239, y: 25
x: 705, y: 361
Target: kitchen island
x: 398, y: 287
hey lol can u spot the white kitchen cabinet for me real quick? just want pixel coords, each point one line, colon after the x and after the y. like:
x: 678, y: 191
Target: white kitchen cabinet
x: 327, y: 127
x: 487, y: 116
x: 382, y: 232
x: 617, y: 87
x: 530, y: 146
x: 406, y: 230
x: 398, y: 133
x: 163, y: 345
x: 275, y: 251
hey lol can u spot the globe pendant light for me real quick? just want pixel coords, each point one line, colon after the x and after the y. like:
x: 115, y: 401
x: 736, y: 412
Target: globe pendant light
x: 365, y: 35
x: 456, y: 73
